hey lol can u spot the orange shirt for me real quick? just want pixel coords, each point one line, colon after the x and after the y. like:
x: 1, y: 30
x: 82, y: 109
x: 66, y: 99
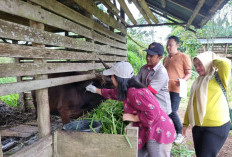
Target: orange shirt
x: 175, y: 66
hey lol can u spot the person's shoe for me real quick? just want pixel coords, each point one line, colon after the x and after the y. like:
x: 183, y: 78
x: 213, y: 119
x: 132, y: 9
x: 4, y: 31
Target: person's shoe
x: 179, y: 139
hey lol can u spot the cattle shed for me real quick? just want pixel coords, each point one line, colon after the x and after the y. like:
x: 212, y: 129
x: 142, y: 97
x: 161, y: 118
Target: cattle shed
x: 219, y: 45
x: 43, y: 37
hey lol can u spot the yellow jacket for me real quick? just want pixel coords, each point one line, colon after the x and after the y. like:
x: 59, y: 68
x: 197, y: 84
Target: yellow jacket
x: 217, y: 111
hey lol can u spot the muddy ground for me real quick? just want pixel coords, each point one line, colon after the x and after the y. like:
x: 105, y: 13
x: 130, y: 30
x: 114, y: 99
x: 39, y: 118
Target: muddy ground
x: 226, y: 150
x: 12, y: 118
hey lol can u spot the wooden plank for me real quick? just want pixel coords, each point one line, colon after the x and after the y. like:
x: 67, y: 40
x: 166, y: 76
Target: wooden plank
x: 11, y: 88
x: 43, y: 147
x: 163, y: 3
x: 35, y: 13
x: 12, y: 69
x: 19, y: 131
x: 95, y: 144
x: 55, y: 144
x: 11, y: 50
x: 43, y: 110
x: 106, y: 2
x: 114, y: 8
x: 1, y: 154
x: 195, y: 12
x: 211, y: 12
x: 90, y: 6
x: 19, y: 32
x: 148, y: 11
x: 65, y: 11
x: 127, y: 11
x: 141, y: 11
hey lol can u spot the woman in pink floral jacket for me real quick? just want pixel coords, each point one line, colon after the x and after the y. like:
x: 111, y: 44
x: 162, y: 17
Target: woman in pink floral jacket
x: 156, y: 129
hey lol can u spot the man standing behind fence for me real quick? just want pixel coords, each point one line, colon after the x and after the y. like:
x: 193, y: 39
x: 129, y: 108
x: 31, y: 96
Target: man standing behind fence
x: 154, y: 76
x: 178, y: 66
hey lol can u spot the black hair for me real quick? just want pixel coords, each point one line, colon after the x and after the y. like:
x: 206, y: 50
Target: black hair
x: 124, y: 84
x: 177, y: 40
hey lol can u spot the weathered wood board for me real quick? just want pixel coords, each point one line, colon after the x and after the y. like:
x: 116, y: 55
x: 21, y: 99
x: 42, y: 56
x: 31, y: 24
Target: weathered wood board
x: 19, y: 32
x: 19, y: 131
x: 41, y: 148
x: 82, y: 144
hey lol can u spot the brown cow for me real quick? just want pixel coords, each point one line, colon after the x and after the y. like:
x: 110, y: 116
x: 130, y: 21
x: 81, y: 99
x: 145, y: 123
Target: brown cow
x: 72, y: 100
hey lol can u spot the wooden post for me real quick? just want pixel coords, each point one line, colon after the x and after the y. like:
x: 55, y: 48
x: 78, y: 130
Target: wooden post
x: 1, y: 154
x: 226, y: 49
x: 19, y: 79
x: 87, y: 14
x: 43, y: 112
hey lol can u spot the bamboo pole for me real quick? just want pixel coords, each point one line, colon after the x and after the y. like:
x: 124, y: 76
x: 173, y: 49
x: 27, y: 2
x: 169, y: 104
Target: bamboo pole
x: 195, y: 12
x: 142, y: 11
x: 127, y: 11
x: 148, y: 11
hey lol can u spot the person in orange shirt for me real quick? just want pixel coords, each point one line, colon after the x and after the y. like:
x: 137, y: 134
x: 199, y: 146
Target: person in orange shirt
x: 178, y: 66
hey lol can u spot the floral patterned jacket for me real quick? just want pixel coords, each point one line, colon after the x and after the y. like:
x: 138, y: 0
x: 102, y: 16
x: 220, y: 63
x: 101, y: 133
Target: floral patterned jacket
x: 154, y: 122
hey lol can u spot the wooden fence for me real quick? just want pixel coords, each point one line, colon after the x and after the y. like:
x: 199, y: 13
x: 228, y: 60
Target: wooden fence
x: 46, y: 37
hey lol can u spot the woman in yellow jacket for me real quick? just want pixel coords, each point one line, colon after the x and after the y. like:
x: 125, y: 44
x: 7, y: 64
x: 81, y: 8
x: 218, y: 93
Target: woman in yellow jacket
x: 207, y: 110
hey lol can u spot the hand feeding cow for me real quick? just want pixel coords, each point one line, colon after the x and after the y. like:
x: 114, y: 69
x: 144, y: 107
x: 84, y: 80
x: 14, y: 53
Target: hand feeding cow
x: 72, y: 100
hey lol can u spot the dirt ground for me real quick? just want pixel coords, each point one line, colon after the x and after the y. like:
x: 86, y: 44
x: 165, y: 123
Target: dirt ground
x: 11, y: 116
x: 11, y: 119
x: 226, y: 150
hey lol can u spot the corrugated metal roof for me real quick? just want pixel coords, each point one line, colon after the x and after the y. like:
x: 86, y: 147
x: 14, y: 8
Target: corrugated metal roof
x: 184, y: 9
x: 216, y: 41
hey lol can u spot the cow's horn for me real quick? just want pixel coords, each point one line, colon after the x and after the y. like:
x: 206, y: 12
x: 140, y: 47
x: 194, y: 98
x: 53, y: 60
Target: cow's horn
x: 105, y: 65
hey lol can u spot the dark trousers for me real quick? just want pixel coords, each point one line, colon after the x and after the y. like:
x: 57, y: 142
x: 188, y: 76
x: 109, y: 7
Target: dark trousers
x: 175, y: 102
x: 209, y: 140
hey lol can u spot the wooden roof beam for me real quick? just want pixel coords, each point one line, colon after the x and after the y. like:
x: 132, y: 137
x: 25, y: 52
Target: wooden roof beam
x: 111, y: 5
x: 141, y: 11
x: 113, y: 11
x: 91, y: 7
x: 165, y: 16
x: 163, y: 3
x: 182, y: 6
x: 212, y: 11
x: 159, y: 24
x: 127, y: 11
x: 148, y: 11
x: 195, y: 12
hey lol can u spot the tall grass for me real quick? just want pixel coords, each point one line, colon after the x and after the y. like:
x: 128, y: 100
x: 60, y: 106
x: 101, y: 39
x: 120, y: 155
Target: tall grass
x: 110, y: 115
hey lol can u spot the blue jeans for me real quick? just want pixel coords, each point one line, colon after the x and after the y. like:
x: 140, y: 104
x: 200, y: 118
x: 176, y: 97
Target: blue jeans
x: 175, y: 102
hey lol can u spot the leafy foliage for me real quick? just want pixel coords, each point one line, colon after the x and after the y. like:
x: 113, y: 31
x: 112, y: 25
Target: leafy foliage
x: 110, y: 115
x: 182, y: 151
x: 12, y: 99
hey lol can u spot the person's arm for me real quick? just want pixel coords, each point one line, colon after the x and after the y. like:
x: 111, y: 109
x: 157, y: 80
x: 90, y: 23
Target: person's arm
x: 188, y: 74
x: 186, y: 123
x: 130, y: 117
x: 107, y: 93
x: 145, y: 107
x: 187, y: 68
x: 224, y: 70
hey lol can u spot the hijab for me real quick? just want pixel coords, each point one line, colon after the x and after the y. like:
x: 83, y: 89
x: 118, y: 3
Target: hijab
x: 200, y: 87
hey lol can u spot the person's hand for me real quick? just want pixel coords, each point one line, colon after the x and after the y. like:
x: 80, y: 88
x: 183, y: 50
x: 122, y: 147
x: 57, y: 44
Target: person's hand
x: 184, y: 129
x: 177, y: 82
x: 91, y: 88
x: 130, y: 117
